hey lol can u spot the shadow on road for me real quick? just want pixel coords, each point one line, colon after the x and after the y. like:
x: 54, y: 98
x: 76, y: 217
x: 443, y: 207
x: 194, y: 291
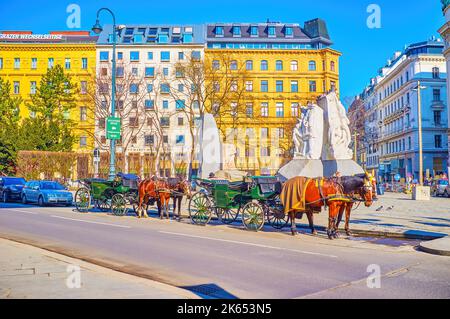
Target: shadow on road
x: 210, y: 291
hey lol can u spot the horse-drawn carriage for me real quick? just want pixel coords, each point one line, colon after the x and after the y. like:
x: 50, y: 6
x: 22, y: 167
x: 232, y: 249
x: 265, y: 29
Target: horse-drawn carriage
x: 106, y: 195
x: 255, y: 198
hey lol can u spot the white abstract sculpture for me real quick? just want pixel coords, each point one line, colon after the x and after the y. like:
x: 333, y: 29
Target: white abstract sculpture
x: 338, y: 138
x: 308, y: 134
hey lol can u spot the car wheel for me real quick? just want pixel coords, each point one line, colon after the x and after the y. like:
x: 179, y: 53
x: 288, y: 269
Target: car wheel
x: 24, y: 199
x: 5, y: 197
x: 40, y: 201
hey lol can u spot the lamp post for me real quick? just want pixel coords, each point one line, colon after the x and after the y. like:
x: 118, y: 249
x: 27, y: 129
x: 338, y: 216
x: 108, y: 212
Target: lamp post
x: 97, y: 28
x: 419, y: 115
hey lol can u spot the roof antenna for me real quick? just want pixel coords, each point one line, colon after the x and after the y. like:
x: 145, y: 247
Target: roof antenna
x: 268, y: 20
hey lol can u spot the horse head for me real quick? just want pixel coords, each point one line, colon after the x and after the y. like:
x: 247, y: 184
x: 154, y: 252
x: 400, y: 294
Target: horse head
x: 367, y: 191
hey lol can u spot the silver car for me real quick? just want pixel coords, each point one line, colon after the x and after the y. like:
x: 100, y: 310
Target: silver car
x: 440, y: 187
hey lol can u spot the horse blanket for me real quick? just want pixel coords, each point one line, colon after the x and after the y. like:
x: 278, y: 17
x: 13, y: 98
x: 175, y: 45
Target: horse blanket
x: 293, y: 194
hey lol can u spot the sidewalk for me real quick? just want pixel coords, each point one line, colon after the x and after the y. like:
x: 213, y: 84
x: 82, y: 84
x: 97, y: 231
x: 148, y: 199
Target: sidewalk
x: 30, y: 272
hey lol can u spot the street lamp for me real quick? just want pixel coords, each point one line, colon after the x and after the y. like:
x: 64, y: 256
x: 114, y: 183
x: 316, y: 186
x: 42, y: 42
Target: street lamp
x: 419, y: 115
x: 97, y: 28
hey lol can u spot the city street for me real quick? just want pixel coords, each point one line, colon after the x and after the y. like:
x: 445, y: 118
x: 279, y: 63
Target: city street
x: 226, y: 261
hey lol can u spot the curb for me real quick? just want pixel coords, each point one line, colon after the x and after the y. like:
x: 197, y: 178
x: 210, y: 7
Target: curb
x: 432, y: 247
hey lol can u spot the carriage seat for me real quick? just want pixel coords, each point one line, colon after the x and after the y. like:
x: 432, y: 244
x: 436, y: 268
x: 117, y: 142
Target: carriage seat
x: 238, y: 186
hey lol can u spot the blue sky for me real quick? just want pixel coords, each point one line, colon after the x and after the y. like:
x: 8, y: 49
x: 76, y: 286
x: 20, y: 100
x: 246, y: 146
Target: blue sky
x: 364, y: 50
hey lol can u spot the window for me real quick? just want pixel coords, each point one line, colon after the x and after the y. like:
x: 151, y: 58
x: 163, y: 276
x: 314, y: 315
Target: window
x: 102, y: 123
x: 134, y: 56
x: 104, y: 71
x: 180, y: 88
x: 254, y: 30
x: 234, y: 86
x: 264, y: 65
x: 236, y: 31
x: 271, y: 31
x: 264, y: 109
x: 165, y: 88
x: 249, y: 110
x: 409, y: 142
x: 196, y: 104
x: 333, y: 86
x: 133, y: 122
x: 233, y: 65
x: 163, y: 38
x: 165, y: 55
x: 83, y: 113
x: 83, y: 87
x: 17, y: 63
x: 180, y: 55
x: 180, y: 104
x: 294, y: 109
x: 234, y: 108
x: 187, y: 38
x: 67, y: 64
x: 119, y: 55
x: 435, y: 73
x: 279, y: 110
x: 249, y: 65
x: 265, y: 151
x: 288, y: 31
x: 119, y: 71
x: 437, y: 117
x: 312, y: 86
x: 149, y: 139
x: 180, y: 121
x: 216, y: 86
x: 166, y: 71
x: 333, y: 66
x: 16, y: 87
x: 149, y: 88
x: 294, y: 65
x: 219, y: 30
x: 249, y: 86
x: 264, y: 132
x: 264, y: 86
x: 279, y: 65
x: 33, y: 87
x: 149, y: 104
x: 134, y: 71
x: 51, y: 62
x: 436, y: 95
x: 149, y: 72
x: 34, y: 63
x: 279, y: 86
x: 196, y: 55
x: 294, y: 86
x: 165, y: 104
x: 216, y: 65
x: 312, y: 66
x: 1, y: 63
x: 83, y: 141
x: 104, y: 56
x: 438, y: 141
x: 134, y: 88
x: 84, y: 63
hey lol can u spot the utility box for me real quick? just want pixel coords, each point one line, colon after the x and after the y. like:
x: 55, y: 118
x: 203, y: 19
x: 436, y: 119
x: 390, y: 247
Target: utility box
x: 421, y: 193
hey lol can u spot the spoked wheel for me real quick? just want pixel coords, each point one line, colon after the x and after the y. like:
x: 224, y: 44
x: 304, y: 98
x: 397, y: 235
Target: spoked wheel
x: 82, y: 200
x: 104, y: 205
x: 276, y: 216
x: 253, y: 216
x: 227, y: 216
x: 118, y: 205
x: 200, y: 209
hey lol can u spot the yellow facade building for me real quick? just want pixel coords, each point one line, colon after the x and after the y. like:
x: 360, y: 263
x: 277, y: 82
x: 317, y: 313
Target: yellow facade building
x: 280, y: 68
x: 25, y: 57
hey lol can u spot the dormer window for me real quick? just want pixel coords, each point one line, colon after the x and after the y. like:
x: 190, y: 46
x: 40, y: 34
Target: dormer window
x: 138, y: 38
x: 236, y: 31
x: 288, y: 32
x: 176, y: 30
x: 163, y: 38
x: 254, y: 31
x: 129, y: 31
x: 219, y: 31
x: 271, y: 31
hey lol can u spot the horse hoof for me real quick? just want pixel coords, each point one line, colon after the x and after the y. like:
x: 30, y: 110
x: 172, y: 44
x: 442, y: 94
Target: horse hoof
x: 349, y: 233
x: 314, y: 232
x: 294, y: 233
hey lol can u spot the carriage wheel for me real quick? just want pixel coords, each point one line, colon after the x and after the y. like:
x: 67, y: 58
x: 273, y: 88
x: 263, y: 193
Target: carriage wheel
x: 200, y: 208
x: 253, y: 216
x: 276, y: 216
x: 82, y: 200
x: 104, y: 205
x: 227, y: 216
x: 118, y: 205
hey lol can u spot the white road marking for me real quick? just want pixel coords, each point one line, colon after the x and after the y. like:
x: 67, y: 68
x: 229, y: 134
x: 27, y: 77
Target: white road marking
x: 251, y: 244
x: 23, y: 211
x: 91, y: 222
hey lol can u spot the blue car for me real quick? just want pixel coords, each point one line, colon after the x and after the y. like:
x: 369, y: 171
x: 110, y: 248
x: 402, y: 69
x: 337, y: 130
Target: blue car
x: 11, y: 188
x: 46, y: 193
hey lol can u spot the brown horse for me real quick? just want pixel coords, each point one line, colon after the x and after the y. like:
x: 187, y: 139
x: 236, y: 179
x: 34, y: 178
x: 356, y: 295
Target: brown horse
x: 179, y: 187
x: 365, y: 189
x: 153, y: 190
x: 318, y: 193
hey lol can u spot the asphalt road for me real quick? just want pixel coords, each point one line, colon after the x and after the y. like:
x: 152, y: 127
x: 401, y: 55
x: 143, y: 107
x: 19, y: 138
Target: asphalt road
x: 226, y: 261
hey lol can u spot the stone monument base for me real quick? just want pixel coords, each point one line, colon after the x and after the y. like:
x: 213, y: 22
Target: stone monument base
x: 318, y: 168
x: 421, y: 193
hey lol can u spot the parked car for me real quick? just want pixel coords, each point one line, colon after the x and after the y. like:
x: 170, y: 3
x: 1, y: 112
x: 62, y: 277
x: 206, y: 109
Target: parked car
x: 11, y: 188
x: 440, y: 187
x: 46, y: 193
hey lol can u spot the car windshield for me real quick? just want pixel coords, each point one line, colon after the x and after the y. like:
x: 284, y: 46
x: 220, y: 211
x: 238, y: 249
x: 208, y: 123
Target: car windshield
x: 14, y: 181
x: 443, y: 182
x: 51, y: 185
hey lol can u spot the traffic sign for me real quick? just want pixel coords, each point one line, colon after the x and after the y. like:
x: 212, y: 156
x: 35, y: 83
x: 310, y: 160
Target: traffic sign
x: 113, y: 128
x: 397, y: 177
